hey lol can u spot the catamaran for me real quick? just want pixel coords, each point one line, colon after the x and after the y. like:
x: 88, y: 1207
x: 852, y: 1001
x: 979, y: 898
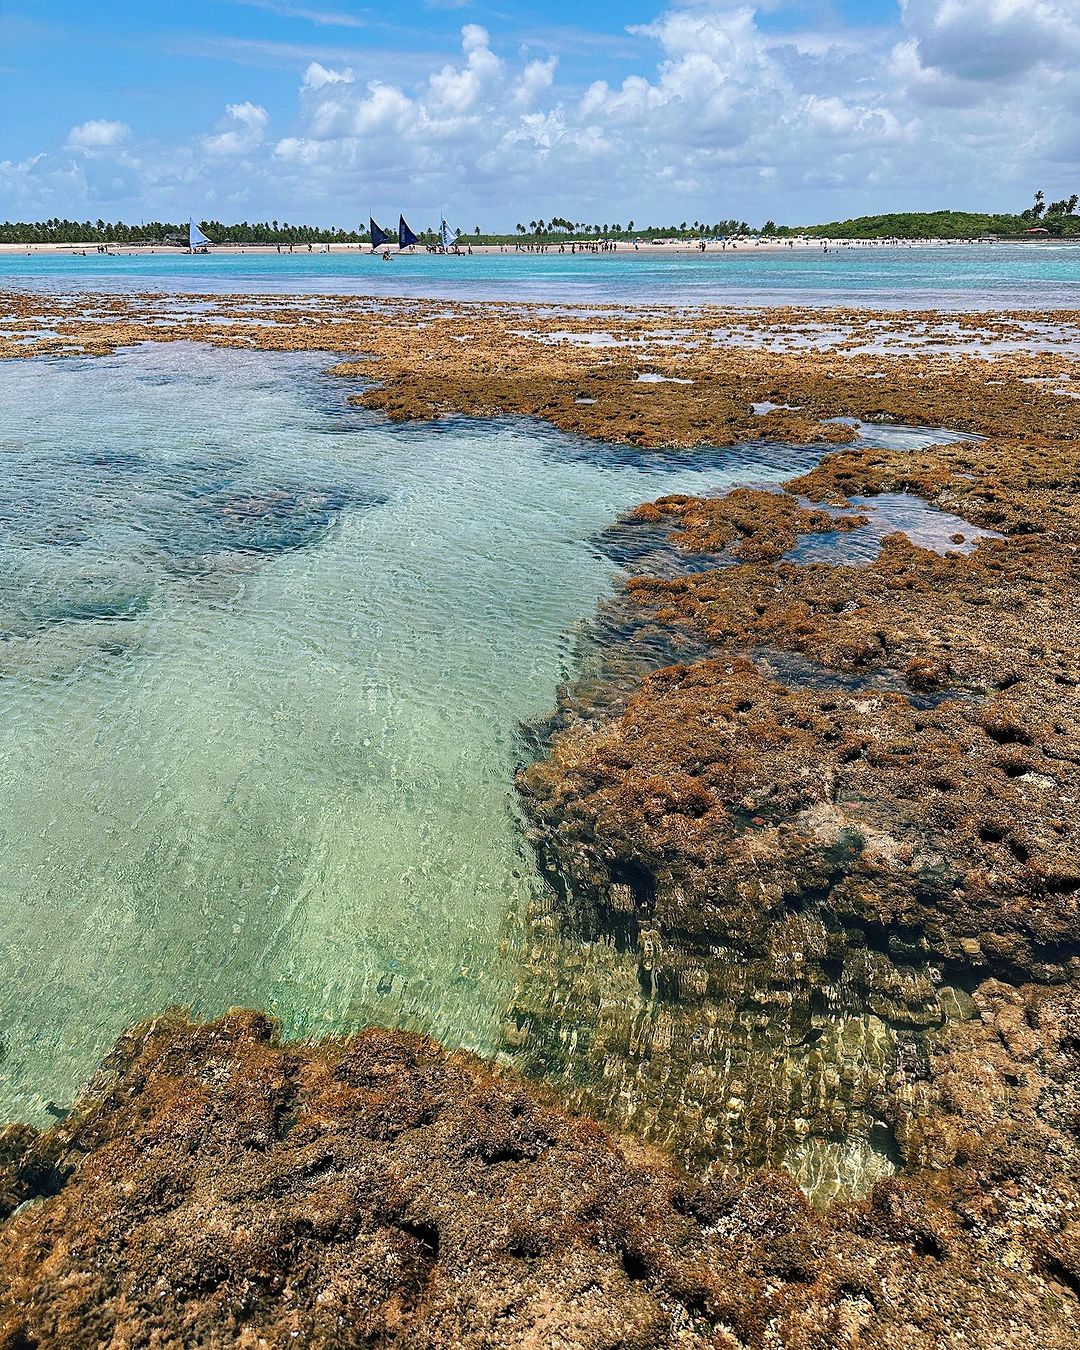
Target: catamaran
x: 197, y: 241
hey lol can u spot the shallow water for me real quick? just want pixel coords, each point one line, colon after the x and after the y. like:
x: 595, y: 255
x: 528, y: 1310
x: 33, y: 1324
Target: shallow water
x: 264, y: 660
x: 957, y: 277
x: 888, y: 513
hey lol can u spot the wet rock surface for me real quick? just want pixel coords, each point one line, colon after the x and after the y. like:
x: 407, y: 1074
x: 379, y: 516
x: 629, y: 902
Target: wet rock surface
x: 785, y: 874
x: 812, y: 837
x: 719, y: 367
x: 754, y: 526
x: 215, y: 1187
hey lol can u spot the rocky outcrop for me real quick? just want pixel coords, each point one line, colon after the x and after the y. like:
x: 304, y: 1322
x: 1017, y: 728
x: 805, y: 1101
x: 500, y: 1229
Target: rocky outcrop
x: 786, y: 873
x: 812, y: 838
x: 216, y: 1187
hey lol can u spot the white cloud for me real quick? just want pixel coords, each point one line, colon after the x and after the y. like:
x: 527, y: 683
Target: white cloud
x: 985, y: 42
x: 713, y: 111
x: 97, y: 134
x: 324, y: 18
x: 318, y: 76
x: 534, y: 81
x: 243, y: 130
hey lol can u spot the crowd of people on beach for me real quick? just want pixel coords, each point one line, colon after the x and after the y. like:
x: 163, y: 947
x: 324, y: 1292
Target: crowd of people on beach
x: 576, y: 246
x: 459, y: 248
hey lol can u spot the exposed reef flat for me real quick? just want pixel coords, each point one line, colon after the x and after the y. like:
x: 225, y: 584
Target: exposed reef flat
x: 824, y: 880
x: 814, y: 900
x: 727, y: 375
x: 218, y: 1188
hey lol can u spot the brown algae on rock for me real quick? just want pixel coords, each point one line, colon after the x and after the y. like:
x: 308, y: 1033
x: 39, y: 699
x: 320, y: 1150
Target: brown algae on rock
x: 216, y: 1187
x: 814, y: 907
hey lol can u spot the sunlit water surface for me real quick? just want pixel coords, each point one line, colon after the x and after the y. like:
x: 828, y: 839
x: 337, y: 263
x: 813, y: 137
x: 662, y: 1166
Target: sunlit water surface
x: 957, y: 276
x: 265, y: 661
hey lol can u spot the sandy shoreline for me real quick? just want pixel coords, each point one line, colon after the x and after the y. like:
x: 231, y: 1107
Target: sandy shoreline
x: 622, y: 247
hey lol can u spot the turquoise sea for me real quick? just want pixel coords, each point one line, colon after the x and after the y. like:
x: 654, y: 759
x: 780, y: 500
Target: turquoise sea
x: 955, y: 277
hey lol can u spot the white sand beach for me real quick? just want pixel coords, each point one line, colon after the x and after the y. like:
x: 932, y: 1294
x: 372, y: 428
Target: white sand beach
x: 732, y: 246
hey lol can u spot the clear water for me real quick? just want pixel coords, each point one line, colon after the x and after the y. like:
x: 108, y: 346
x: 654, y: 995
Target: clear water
x: 264, y: 660
x: 886, y: 514
x: 957, y: 277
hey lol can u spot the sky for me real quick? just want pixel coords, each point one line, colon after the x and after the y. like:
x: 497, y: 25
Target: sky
x: 326, y: 111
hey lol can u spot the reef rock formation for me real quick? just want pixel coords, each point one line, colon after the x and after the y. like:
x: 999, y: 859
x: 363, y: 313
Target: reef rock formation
x: 787, y: 873
x: 218, y: 1188
x: 815, y: 887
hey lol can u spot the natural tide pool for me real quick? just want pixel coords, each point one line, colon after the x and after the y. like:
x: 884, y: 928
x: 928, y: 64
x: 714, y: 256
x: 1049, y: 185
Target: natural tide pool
x: 264, y: 663
x: 267, y: 666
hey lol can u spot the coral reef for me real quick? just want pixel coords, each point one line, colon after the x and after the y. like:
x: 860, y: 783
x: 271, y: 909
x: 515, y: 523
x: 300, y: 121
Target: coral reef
x: 787, y: 874
x: 725, y: 375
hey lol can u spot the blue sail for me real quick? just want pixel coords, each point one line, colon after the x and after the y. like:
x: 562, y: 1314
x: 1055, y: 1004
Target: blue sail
x: 378, y: 234
x: 444, y: 234
x: 405, y: 236
x: 196, y: 238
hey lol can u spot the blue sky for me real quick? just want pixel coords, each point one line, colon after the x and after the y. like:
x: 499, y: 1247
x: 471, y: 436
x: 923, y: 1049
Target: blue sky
x: 321, y: 110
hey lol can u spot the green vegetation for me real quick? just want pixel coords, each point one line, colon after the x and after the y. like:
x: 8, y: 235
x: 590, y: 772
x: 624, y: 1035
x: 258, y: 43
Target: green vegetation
x: 1058, y: 219
x: 164, y: 232
x: 552, y: 231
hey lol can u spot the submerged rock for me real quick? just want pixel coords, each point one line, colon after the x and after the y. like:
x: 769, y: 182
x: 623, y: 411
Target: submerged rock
x: 218, y: 1188
x: 820, y: 914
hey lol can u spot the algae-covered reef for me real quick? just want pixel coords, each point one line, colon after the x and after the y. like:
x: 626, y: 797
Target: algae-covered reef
x: 218, y: 1188
x: 816, y: 894
x: 811, y: 832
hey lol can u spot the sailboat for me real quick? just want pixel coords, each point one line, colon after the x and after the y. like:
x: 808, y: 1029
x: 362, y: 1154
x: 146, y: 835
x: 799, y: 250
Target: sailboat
x: 379, y: 236
x: 405, y: 236
x: 444, y: 235
x: 197, y: 241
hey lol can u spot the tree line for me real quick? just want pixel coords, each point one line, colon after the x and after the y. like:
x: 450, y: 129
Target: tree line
x: 165, y: 232
x: 62, y: 231
x: 1056, y: 218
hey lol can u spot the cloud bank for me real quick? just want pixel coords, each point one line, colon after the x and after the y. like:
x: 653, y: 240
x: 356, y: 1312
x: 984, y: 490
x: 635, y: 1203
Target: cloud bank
x: 958, y: 102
